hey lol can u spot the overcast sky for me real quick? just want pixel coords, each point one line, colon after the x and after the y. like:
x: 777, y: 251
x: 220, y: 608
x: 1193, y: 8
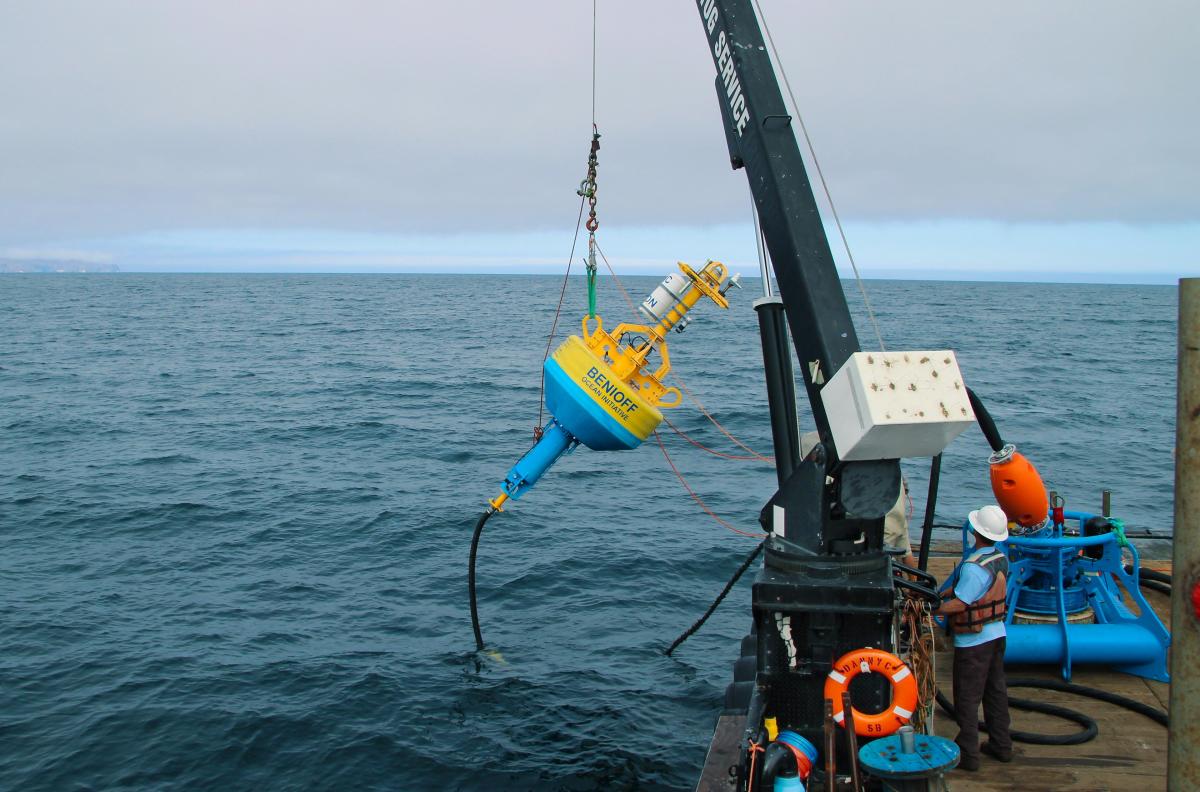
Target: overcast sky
x: 1023, y: 137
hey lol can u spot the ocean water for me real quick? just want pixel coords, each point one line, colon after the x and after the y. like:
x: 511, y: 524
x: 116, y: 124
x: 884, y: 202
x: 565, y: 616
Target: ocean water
x: 235, y: 514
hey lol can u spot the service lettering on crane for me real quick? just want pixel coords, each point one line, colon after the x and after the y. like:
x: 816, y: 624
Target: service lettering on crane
x: 616, y: 397
x: 733, y: 85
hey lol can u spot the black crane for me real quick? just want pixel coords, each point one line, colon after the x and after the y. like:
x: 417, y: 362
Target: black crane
x: 827, y: 585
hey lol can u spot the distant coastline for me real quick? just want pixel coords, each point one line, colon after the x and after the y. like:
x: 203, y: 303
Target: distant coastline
x: 41, y: 265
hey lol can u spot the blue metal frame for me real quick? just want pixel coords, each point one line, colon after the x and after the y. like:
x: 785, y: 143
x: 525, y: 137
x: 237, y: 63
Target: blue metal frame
x: 1047, y: 555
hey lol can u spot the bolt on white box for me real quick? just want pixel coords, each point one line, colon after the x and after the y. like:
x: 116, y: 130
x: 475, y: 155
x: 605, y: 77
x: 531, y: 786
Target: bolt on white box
x: 891, y: 405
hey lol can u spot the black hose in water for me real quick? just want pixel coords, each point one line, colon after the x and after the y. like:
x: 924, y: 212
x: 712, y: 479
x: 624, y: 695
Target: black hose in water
x: 483, y: 518
x: 690, y: 631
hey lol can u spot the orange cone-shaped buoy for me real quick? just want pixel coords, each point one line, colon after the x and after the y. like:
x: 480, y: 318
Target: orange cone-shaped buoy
x: 1018, y: 487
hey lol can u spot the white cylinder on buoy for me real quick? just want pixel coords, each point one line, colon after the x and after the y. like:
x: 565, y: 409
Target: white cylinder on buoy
x: 668, y: 294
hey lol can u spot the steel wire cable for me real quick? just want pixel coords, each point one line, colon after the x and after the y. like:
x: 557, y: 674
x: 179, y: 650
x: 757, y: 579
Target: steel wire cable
x: 837, y: 220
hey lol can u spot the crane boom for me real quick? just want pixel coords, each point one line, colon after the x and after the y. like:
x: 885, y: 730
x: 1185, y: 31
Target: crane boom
x: 826, y: 586
x: 761, y: 139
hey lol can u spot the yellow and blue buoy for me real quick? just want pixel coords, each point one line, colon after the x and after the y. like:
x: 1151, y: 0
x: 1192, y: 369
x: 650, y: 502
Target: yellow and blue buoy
x: 597, y: 387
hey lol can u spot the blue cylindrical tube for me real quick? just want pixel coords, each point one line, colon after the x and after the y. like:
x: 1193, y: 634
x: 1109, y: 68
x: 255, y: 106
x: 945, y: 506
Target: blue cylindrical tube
x: 788, y: 781
x: 1090, y: 643
x: 554, y: 443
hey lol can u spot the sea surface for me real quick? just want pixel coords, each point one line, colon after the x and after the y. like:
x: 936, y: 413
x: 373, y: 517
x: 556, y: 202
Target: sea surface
x: 235, y: 513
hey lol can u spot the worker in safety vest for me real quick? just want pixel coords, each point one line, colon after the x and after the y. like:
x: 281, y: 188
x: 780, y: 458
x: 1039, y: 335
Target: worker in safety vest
x: 974, y: 608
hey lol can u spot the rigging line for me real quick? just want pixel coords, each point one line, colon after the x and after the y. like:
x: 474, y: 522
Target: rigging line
x: 702, y: 447
x: 697, y: 498
x: 677, y: 378
x: 700, y: 406
x: 616, y: 280
x: 554, y: 327
x: 821, y: 176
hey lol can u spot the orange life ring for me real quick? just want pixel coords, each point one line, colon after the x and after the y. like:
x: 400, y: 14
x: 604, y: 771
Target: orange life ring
x: 873, y: 661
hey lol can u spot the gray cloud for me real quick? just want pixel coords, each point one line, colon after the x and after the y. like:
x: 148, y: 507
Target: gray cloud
x: 121, y: 117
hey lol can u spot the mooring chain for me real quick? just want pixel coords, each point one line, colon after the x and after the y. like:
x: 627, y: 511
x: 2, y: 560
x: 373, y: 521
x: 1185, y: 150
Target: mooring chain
x: 587, y: 190
x: 587, y: 187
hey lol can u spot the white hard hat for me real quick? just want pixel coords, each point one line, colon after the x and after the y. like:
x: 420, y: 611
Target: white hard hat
x: 990, y: 522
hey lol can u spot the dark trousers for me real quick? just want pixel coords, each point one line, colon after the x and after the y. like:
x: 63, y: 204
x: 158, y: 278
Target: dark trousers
x: 979, y: 677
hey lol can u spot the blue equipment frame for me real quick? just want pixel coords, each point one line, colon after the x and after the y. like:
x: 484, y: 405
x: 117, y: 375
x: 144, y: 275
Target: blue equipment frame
x: 1049, y: 573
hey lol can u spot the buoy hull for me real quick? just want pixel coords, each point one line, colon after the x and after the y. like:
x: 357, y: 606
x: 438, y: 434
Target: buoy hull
x: 592, y: 403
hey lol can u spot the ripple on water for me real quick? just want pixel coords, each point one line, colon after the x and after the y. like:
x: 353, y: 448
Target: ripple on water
x: 236, y: 512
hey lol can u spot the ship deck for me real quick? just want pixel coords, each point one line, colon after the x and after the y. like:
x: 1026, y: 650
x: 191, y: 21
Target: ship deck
x: 1129, y: 753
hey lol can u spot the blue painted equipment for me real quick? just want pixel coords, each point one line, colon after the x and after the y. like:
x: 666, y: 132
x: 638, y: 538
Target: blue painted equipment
x: 908, y: 762
x: 788, y: 761
x: 788, y: 781
x: 1053, y: 574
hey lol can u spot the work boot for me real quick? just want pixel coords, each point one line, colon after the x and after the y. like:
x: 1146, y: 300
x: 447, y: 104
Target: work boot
x: 968, y: 763
x: 996, y: 753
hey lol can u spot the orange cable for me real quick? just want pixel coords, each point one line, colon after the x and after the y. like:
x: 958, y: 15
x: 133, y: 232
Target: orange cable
x: 616, y: 280
x: 703, y: 447
x: 755, y: 750
x: 697, y: 498
x: 716, y: 423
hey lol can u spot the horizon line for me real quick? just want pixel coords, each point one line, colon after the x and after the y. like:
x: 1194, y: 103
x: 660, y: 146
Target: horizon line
x: 1061, y: 277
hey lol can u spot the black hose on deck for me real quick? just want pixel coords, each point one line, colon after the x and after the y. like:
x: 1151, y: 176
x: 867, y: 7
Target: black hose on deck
x: 1153, y: 713
x: 1154, y: 585
x: 483, y: 518
x: 1087, y: 733
x: 690, y: 631
x: 985, y: 421
x: 1090, y: 729
x: 1149, y: 574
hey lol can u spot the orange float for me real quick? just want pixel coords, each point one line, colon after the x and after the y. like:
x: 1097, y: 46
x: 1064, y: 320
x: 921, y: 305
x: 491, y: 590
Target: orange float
x: 873, y: 661
x: 1018, y: 487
